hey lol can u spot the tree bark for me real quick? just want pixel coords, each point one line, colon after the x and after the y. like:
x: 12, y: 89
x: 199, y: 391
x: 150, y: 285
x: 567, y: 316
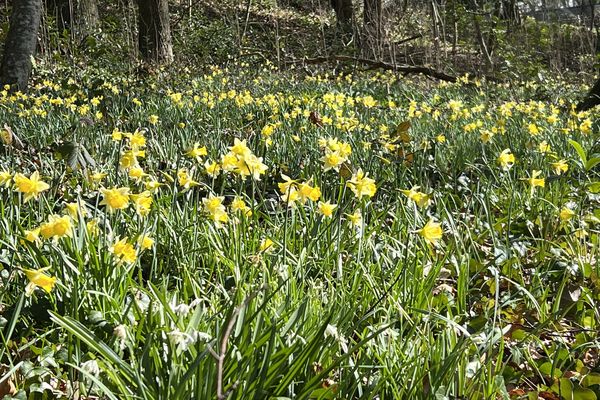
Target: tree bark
x: 87, y: 18
x: 154, y: 31
x: 20, y: 43
x: 373, y: 28
x: 343, y: 11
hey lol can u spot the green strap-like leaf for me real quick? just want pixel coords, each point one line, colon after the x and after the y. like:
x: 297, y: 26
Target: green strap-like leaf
x: 580, y: 151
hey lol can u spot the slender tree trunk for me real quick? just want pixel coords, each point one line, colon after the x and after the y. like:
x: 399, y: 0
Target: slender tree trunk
x: 343, y: 12
x: 373, y: 28
x: 476, y: 10
x: 510, y: 12
x: 454, y: 31
x: 20, y: 43
x: 482, y: 44
x: 61, y: 11
x: 78, y: 16
x: 154, y: 31
x: 594, y: 31
x: 435, y: 32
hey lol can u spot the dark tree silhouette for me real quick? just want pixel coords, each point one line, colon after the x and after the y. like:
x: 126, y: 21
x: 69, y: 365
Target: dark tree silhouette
x: 592, y: 99
x: 20, y: 43
x: 343, y: 11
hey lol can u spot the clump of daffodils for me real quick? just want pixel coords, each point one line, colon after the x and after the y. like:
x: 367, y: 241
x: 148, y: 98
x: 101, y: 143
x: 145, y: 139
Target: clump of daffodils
x: 419, y: 198
x: 242, y: 161
x: 361, y: 185
x: 124, y: 251
x: 196, y: 151
x: 506, y: 159
x: 432, y: 232
x: 534, y: 181
x: 293, y: 191
x: 336, y: 153
x: 215, y: 209
x: 326, y: 208
x: 37, y: 278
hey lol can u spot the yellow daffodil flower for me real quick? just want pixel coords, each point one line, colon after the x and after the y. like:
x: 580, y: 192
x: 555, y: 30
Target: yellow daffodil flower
x: 326, y: 208
x: 361, y: 185
x: 431, y: 232
x: 506, y: 159
x: 115, y: 198
x: 31, y: 187
x: 37, y: 278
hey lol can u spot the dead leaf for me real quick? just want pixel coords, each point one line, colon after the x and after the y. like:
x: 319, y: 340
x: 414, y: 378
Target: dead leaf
x: 548, y: 396
x: 516, y: 393
x: 346, y: 171
x: 315, y: 118
x: 7, y: 386
x: 9, y: 138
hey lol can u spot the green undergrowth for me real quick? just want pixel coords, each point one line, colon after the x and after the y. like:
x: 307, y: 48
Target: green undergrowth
x: 259, y: 234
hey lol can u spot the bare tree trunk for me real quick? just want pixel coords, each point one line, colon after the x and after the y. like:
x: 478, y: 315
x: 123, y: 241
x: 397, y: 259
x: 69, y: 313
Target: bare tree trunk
x: 79, y: 17
x: 154, y: 31
x: 483, y: 46
x: 343, y: 11
x: 475, y: 9
x: 454, y: 31
x: 20, y: 43
x: 373, y: 28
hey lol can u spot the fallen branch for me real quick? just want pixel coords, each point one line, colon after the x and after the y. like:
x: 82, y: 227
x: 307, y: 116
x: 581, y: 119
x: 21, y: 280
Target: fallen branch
x: 404, y: 69
x: 402, y: 41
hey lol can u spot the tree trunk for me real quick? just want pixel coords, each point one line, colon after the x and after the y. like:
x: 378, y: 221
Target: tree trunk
x: 343, y: 11
x: 373, y: 25
x: 594, y: 29
x: 87, y: 18
x: 20, y: 43
x: 482, y: 43
x: 154, y: 31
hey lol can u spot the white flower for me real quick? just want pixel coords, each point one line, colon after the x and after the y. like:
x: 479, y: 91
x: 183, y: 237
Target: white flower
x: 91, y: 367
x: 332, y: 331
x: 120, y: 331
x: 181, y: 309
x: 183, y: 340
